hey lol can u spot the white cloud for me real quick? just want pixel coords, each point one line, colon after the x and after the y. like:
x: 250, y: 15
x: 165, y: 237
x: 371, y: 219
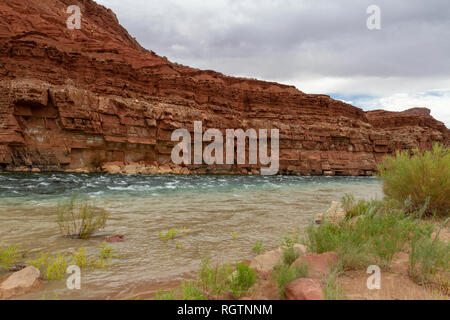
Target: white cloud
x: 438, y: 99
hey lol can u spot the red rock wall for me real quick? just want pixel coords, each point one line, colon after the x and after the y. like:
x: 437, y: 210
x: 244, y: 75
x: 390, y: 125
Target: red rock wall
x: 71, y: 98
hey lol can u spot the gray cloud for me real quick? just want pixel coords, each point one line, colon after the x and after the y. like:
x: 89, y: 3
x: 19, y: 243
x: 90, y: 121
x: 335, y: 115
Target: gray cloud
x: 302, y: 42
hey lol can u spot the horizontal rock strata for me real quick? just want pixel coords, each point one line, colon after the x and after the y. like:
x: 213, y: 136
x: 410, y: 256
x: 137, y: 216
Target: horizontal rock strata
x: 72, y: 99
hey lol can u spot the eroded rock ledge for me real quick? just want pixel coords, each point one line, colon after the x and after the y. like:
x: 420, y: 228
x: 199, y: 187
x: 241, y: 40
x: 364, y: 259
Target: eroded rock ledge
x: 72, y: 99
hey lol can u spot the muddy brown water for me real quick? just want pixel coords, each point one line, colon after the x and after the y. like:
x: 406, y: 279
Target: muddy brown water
x: 226, y: 216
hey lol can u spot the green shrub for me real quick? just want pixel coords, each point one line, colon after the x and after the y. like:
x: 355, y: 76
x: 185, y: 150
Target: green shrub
x: 173, y: 233
x: 421, y: 178
x: 355, y: 208
x: 191, y: 291
x: 259, y: 248
x: 106, y: 251
x: 372, y: 239
x: 290, y: 255
x: 56, y: 268
x: 331, y: 289
x: 215, y: 280
x: 40, y: 262
x: 283, y: 274
x: 242, y: 280
x: 427, y: 257
x: 79, y: 258
x: 80, y: 220
x: 287, y: 246
x: 9, y: 256
x: 105, y: 256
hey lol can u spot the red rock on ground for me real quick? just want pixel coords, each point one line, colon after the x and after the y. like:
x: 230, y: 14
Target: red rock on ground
x: 318, y: 264
x: 72, y: 99
x: 116, y: 238
x: 304, y: 289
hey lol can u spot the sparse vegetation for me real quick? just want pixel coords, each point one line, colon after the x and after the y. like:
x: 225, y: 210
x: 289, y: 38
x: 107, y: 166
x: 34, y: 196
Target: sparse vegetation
x: 423, y: 178
x: 331, y: 289
x: 106, y: 251
x: 242, y: 280
x: 105, y: 256
x: 80, y: 219
x: 191, y: 291
x: 373, y: 239
x: 54, y: 267
x: 429, y: 257
x: 284, y: 273
x: 9, y: 256
x: 259, y: 248
x: 79, y: 258
x: 355, y: 208
x: 214, y: 281
x: 287, y: 246
x: 173, y: 233
x: 40, y: 262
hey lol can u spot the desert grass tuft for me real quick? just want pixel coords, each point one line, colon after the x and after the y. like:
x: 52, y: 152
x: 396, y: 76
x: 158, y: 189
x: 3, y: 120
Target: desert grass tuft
x: 9, y: 256
x: 283, y: 274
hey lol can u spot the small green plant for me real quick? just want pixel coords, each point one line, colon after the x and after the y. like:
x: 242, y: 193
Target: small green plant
x: 9, y: 256
x: 191, y: 291
x: 428, y: 257
x: 259, y: 247
x: 424, y: 175
x: 173, y: 233
x: 56, y: 268
x: 242, y: 280
x: 179, y: 245
x: 80, y: 219
x: 234, y: 235
x: 283, y: 274
x: 290, y: 255
x: 331, y: 289
x: 214, y: 279
x: 106, y: 251
x: 79, y: 258
x: 287, y: 246
x: 355, y: 208
x: 40, y: 262
x: 105, y: 256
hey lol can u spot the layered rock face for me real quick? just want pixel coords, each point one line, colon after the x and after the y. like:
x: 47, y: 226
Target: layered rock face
x: 71, y: 99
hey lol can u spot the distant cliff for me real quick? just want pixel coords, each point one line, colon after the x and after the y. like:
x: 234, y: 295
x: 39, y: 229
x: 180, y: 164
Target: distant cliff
x: 78, y: 98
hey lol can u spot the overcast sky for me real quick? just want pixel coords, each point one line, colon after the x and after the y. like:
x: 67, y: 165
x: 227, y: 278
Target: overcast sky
x: 320, y: 46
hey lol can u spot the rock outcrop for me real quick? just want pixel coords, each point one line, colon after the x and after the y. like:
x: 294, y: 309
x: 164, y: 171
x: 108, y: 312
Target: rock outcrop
x: 72, y: 99
x: 305, y: 289
x: 20, y: 283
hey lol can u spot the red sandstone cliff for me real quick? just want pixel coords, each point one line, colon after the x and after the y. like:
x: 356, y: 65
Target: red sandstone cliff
x: 72, y: 97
